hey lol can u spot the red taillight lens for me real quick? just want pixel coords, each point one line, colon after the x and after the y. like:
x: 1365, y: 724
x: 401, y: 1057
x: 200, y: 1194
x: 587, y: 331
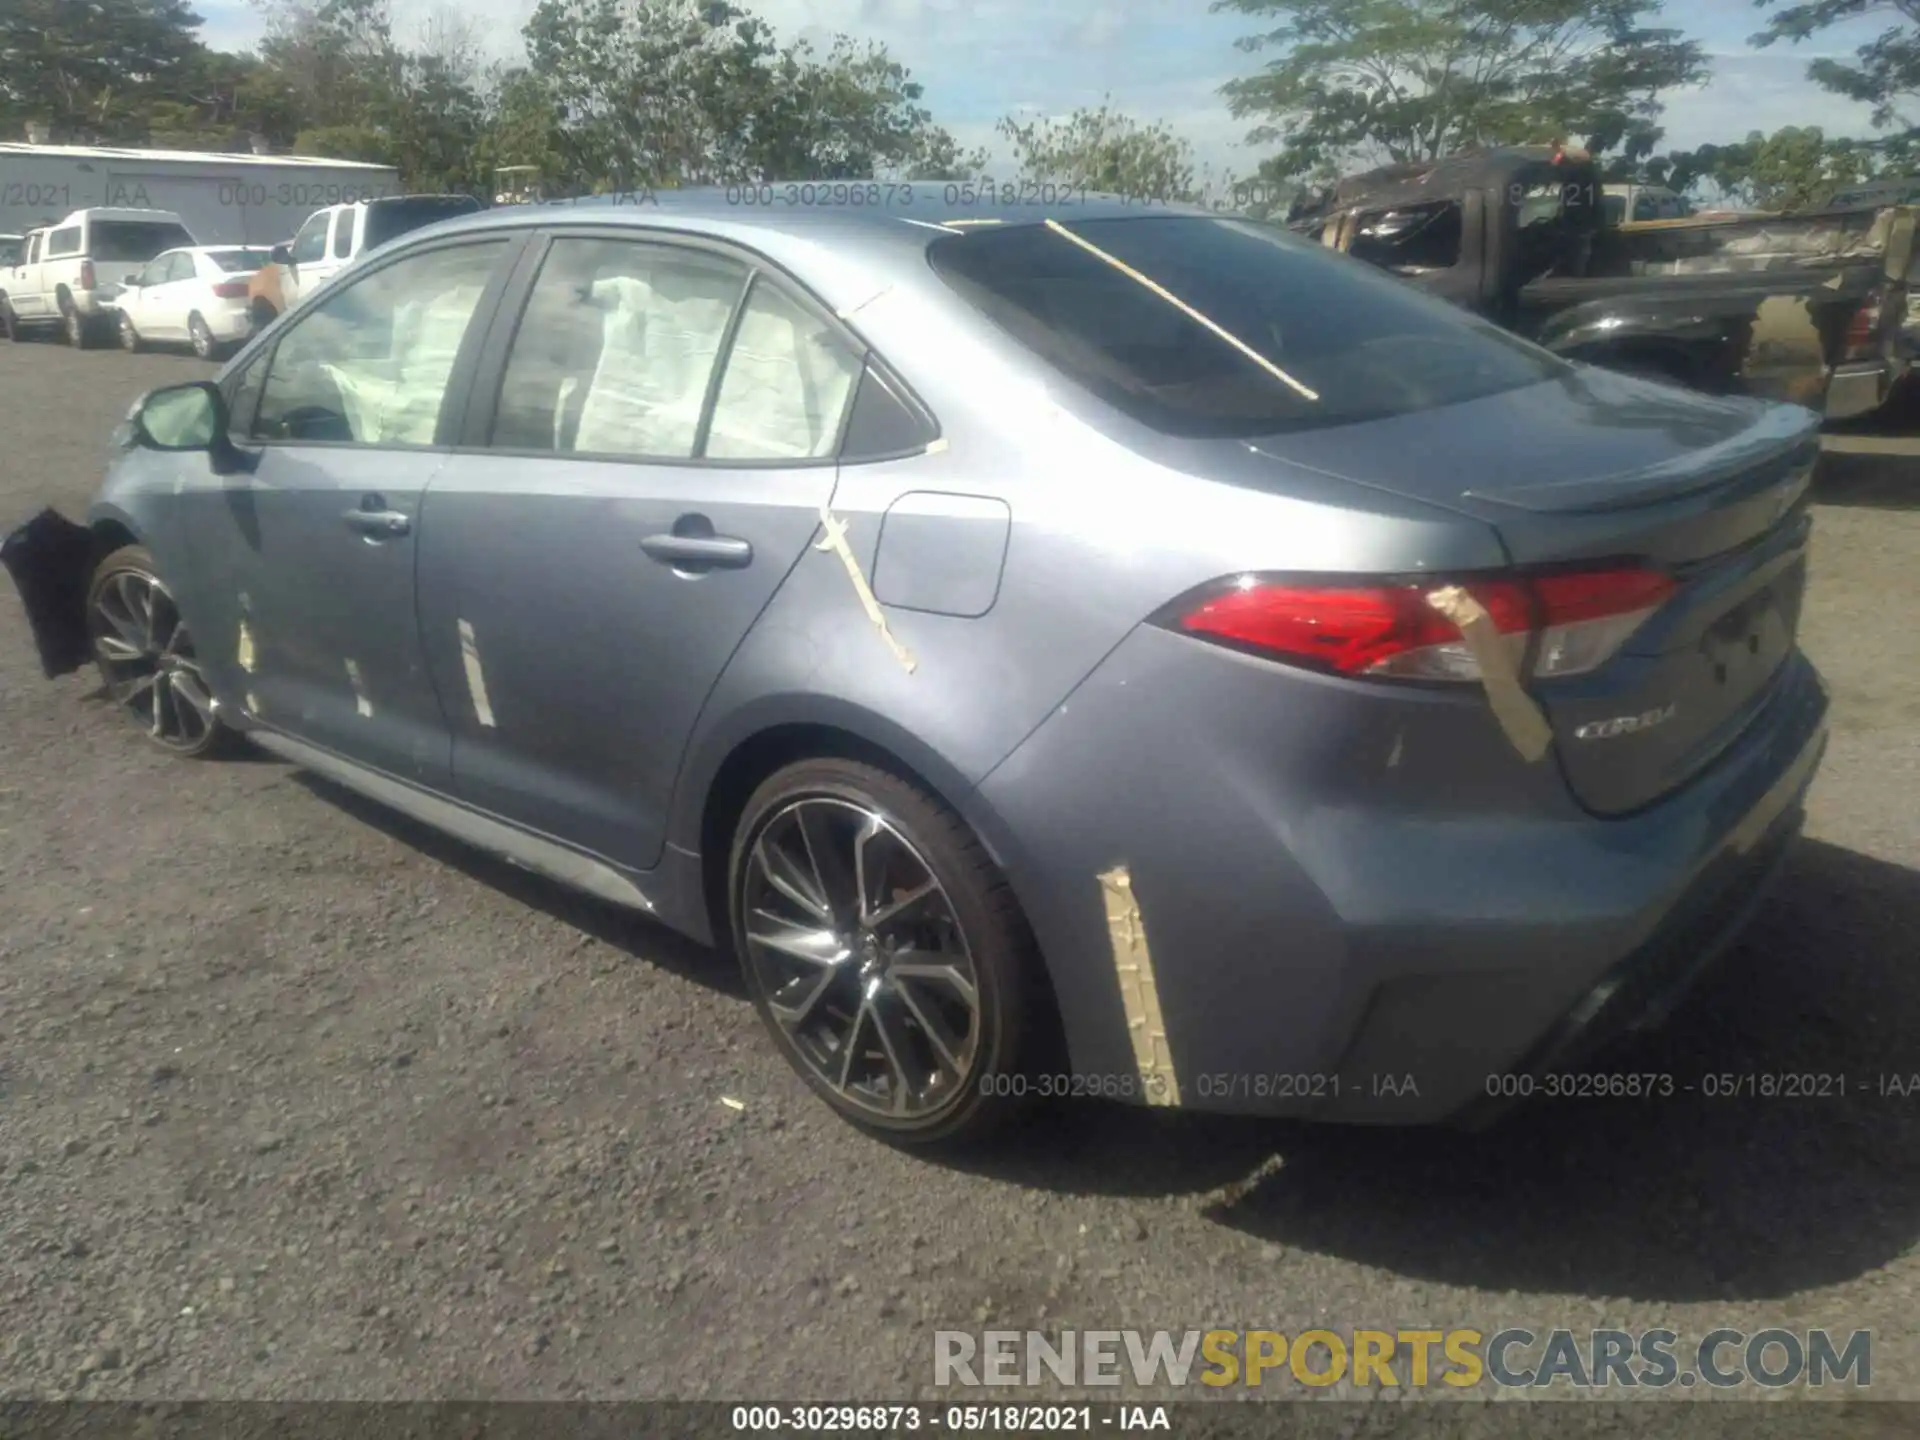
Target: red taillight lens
x: 1581, y: 620
x: 1863, y: 334
x: 231, y: 290
x: 86, y: 275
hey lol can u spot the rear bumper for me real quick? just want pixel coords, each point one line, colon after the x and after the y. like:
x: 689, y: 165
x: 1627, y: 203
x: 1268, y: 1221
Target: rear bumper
x: 1333, y: 932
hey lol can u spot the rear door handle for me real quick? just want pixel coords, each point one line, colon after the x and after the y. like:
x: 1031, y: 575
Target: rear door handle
x: 378, y: 524
x: 723, y: 552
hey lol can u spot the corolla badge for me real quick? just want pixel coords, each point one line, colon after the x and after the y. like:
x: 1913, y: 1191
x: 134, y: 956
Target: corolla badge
x: 1625, y: 724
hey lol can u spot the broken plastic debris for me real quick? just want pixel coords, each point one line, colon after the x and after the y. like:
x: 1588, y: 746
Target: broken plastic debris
x: 1139, y: 993
x: 244, y: 650
x: 733, y: 1104
x: 476, y: 679
x: 1526, y: 728
x: 836, y: 541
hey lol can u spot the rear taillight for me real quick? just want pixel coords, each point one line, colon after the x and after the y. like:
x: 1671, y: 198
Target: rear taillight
x: 1863, y: 334
x: 86, y: 275
x: 231, y: 290
x: 1575, y: 621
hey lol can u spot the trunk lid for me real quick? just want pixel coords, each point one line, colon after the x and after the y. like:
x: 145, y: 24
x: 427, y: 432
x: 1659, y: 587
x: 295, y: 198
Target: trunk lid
x: 1599, y: 468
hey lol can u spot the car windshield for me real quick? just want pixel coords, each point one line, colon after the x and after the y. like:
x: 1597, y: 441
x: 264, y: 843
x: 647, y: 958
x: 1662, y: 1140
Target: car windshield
x: 12, y: 248
x: 388, y: 218
x: 136, y: 239
x: 1201, y: 326
x: 232, y: 260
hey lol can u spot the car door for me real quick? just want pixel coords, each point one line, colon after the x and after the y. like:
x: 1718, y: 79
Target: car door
x: 160, y: 316
x: 309, y: 251
x: 24, y: 292
x: 649, y: 460
x: 314, y: 543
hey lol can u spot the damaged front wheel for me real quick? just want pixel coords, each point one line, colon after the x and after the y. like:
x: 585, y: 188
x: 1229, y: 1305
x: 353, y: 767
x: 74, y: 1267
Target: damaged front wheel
x: 147, y: 659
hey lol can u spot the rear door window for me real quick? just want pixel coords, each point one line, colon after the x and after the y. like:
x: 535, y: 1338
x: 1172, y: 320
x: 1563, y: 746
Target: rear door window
x: 1318, y: 338
x: 616, y: 350
x: 67, y: 242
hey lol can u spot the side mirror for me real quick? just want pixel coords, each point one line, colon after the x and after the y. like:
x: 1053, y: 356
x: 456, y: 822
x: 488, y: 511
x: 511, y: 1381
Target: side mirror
x: 281, y: 255
x: 183, y: 418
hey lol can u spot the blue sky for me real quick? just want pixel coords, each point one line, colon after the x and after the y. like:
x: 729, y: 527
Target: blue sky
x: 1165, y: 59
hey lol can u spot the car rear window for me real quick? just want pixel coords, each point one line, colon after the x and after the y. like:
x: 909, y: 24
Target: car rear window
x: 136, y: 239
x: 1349, y: 343
x: 232, y: 260
x: 388, y: 218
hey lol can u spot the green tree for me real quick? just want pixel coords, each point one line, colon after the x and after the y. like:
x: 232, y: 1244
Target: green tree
x: 1791, y: 169
x: 1364, y: 81
x: 90, y: 69
x: 1101, y: 149
x: 1884, y: 73
x: 686, y: 92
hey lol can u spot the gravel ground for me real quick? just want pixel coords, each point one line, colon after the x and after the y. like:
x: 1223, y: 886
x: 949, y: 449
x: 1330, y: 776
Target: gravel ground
x: 298, y: 1100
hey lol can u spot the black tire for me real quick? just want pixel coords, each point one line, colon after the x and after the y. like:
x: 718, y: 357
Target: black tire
x: 204, y: 345
x: 180, y: 725
x: 1004, y: 961
x: 130, y: 340
x: 10, y: 323
x: 79, y: 330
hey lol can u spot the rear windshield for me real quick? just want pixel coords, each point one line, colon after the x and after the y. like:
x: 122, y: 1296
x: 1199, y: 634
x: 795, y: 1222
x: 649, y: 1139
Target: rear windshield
x: 1348, y: 342
x: 231, y: 260
x: 136, y: 239
x: 388, y: 218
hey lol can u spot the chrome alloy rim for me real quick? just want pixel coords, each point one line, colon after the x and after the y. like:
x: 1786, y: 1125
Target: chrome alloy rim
x: 148, y: 659
x: 863, y: 962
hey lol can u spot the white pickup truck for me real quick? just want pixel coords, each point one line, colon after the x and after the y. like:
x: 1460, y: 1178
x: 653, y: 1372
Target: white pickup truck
x: 68, y: 271
x: 334, y: 238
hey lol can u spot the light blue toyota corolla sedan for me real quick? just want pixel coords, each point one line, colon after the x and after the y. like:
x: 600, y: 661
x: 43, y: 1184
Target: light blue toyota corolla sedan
x: 1096, y: 650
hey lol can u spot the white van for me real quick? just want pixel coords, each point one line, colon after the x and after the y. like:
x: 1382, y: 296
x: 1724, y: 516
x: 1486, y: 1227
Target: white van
x: 71, y: 269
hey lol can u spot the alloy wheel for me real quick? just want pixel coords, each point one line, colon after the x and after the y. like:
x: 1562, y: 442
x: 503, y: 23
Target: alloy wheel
x: 148, y: 661
x: 129, y: 337
x: 203, y: 342
x: 861, y: 958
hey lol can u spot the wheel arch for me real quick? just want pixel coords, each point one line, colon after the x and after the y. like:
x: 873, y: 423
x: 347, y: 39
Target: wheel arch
x: 723, y: 772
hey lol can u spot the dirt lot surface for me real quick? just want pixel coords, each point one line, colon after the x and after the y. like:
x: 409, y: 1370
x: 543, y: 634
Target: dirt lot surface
x: 299, y: 1100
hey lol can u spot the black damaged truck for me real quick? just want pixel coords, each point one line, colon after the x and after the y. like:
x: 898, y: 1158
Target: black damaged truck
x: 1806, y: 308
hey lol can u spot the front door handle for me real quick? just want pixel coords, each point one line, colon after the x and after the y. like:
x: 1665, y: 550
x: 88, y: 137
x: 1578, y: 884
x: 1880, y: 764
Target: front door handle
x: 378, y: 524
x: 723, y: 552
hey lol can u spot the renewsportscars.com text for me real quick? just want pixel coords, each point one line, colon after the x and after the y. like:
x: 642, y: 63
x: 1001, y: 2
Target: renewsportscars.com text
x: 1386, y: 1359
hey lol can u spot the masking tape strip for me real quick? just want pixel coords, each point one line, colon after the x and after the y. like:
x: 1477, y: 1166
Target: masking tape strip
x: 243, y: 651
x: 836, y: 541
x: 1526, y: 727
x: 1139, y: 994
x: 360, y: 700
x: 476, y: 679
x: 1185, y: 309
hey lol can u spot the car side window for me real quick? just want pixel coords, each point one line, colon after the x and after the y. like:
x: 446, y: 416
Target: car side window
x: 179, y: 266
x: 64, y: 242
x: 786, y: 385
x: 616, y: 349
x: 311, y: 243
x: 342, y: 233
x: 369, y: 364
x: 155, y: 272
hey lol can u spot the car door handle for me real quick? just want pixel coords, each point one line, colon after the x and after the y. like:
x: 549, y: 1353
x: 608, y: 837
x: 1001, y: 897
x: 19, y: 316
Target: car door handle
x: 724, y: 552
x: 378, y: 524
